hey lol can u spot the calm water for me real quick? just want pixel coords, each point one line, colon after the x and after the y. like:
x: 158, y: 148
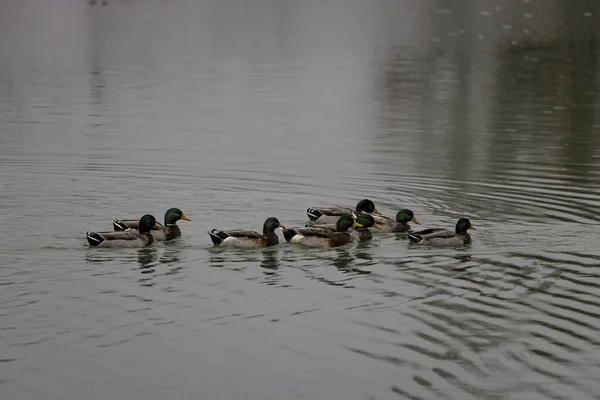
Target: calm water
x: 238, y: 110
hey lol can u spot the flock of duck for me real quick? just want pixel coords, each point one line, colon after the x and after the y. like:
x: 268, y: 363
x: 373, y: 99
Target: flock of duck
x: 327, y: 227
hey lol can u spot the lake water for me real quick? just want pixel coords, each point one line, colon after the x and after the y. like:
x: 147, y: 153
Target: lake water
x: 238, y: 110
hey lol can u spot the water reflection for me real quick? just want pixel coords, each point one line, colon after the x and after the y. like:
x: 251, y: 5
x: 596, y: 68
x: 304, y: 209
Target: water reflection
x: 97, y: 86
x: 171, y: 253
x: 567, y: 125
x: 451, y: 108
x: 93, y: 256
x: 216, y: 259
x: 342, y: 259
x: 271, y: 264
x: 267, y: 258
x: 147, y: 259
x: 270, y: 259
x: 108, y: 256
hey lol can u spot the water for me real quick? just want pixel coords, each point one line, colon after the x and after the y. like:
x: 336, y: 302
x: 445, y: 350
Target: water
x: 235, y: 111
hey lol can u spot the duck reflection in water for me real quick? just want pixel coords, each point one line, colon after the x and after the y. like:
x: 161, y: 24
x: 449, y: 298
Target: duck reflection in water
x: 346, y: 259
x: 270, y: 267
x: 343, y: 259
x: 95, y: 256
x: 171, y: 254
x: 270, y: 259
x: 216, y: 260
x: 147, y: 259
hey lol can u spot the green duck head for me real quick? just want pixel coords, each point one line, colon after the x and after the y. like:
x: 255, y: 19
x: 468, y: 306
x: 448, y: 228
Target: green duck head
x: 173, y: 215
x: 406, y: 216
x: 463, y: 225
x: 271, y: 224
x: 367, y: 206
x: 367, y: 221
x: 146, y: 223
x: 345, y: 222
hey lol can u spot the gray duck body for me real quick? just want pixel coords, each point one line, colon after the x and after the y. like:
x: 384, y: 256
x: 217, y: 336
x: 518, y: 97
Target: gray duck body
x: 442, y: 237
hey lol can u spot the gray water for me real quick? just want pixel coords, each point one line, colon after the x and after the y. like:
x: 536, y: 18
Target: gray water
x: 238, y: 110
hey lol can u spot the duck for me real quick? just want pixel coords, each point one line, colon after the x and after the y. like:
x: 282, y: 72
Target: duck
x: 125, y: 239
x: 331, y: 215
x: 443, y: 237
x: 323, y: 237
x: 243, y: 238
x: 364, y: 234
x: 170, y: 230
x: 400, y: 224
x: 358, y: 234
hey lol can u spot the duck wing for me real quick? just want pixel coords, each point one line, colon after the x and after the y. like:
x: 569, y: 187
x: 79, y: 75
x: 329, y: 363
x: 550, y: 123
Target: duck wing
x: 244, y: 233
x: 313, y: 231
x: 121, y: 235
x: 438, y: 233
x: 124, y: 224
x: 315, y: 213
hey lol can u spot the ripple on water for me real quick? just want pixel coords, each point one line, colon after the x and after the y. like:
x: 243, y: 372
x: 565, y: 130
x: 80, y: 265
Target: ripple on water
x: 466, y: 329
x: 514, y: 315
x: 466, y: 322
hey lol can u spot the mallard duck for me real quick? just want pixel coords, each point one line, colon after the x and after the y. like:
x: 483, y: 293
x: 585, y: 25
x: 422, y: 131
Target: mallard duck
x: 330, y: 215
x: 248, y: 239
x: 322, y: 237
x: 169, y: 231
x: 130, y: 238
x: 360, y: 234
x: 444, y: 237
x: 400, y: 225
x: 363, y: 233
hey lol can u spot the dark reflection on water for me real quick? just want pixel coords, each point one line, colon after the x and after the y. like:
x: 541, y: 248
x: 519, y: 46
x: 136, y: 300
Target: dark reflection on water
x: 270, y: 260
x: 235, y: 112
x: 147, y: 259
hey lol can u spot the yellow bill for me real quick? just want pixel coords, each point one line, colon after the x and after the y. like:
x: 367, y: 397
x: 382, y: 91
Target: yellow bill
x: 416, y: 221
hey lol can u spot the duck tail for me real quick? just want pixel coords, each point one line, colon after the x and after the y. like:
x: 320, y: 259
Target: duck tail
x: 94, y: 239
x: 119, y: 226
x: 289, y: 233
x: 313, y: 214
x: 414, y: 237
x: 217, y: 236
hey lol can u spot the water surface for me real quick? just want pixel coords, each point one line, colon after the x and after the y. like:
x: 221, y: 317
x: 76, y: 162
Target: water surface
x: 235, y: 111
